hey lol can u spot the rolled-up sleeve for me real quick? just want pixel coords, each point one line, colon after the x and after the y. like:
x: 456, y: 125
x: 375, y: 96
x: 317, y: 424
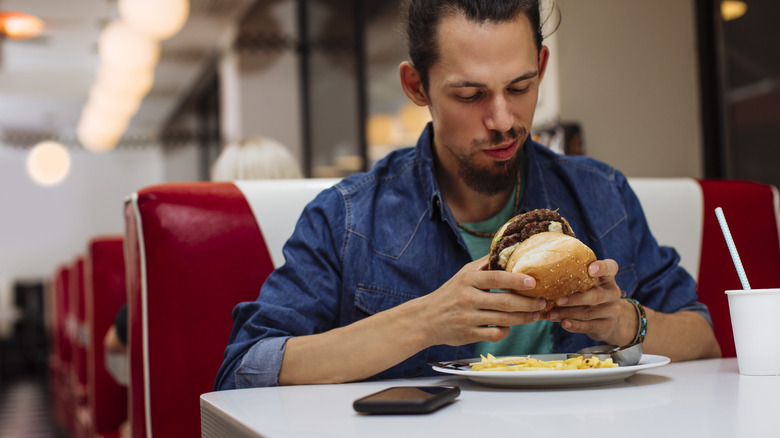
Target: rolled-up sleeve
x: 261, y: 364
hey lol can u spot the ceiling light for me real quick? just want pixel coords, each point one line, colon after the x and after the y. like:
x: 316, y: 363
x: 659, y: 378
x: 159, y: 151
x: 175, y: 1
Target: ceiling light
x: 113, y: 104
x: 48, y: 163
x: 123, y: 81
x: 160, y: 19
x: 16, y: 25
x: 122, y: 46
x: 732, y: 9
x: 99, y: 131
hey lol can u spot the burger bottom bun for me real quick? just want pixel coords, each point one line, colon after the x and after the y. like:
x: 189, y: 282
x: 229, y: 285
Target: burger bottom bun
x: 559, y: 264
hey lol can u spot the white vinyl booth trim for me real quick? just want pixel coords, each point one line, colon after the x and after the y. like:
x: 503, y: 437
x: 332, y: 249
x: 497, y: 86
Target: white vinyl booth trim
x: 277, y: 205
x: 674, y: 208
x: 144, y: 316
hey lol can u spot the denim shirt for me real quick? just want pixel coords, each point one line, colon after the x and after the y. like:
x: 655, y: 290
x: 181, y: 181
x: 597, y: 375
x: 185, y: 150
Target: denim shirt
x: 378, y: 239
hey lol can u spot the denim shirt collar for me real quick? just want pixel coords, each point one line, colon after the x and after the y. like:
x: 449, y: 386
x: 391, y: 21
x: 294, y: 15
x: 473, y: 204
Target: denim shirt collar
x: 534, y: 198
x: 427, y: 169
x: 536, y: 195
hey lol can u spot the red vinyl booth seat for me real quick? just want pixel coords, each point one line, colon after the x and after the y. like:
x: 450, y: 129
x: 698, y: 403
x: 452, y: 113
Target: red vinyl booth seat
x: 752, y: 213
x: 105, y: 292
x: 60, y: 356
x: 76, y: 326
x: 193, y: 251
x: 681, y: 213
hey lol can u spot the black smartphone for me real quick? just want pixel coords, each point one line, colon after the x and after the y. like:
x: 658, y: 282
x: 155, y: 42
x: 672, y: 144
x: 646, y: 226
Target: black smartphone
x: 406, y: 400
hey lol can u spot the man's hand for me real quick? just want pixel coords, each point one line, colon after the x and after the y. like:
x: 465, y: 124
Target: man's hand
x: 599, y: 312
x: 463, y: 310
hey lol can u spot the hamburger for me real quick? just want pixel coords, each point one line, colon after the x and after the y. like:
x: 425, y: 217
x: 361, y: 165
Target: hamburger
x: 541, y: 243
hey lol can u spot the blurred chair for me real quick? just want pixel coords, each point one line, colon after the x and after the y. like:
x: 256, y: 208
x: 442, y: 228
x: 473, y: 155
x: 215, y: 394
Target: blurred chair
x: 60, y: 356
x: 77, y: 331
x: 681, y: 213
x: 105, y: 292
x: 193, y: 251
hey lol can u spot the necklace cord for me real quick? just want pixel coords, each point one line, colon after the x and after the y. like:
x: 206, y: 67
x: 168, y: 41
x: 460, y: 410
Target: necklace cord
x: 514, y: 210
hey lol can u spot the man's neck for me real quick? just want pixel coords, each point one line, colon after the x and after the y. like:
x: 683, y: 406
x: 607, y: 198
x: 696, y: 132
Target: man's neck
x: 468, y: 205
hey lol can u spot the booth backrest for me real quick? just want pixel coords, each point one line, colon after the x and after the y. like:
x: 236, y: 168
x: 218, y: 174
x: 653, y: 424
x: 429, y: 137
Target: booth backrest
x: 60, y: 360
x: 105, y: 291
x: 76, y: 326
x: 753, y: 216
x: 193, y: 251
x: 681, y: 213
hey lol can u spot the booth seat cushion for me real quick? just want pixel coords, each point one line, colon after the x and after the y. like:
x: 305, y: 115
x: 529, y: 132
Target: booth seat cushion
x: 674, y: 211
x: 193, y: 251
x: 681, y: 214
x: 277, y: 206
x: 105, y: 291
x: 77, y: 333
x: 752, y: 212
x: 61, y: 350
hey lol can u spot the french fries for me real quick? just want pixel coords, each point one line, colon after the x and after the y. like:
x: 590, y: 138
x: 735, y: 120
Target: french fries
x: 526, y: 363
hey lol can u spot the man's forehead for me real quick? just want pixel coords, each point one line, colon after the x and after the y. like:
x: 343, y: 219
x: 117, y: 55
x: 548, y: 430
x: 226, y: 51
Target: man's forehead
x: 474, y: 54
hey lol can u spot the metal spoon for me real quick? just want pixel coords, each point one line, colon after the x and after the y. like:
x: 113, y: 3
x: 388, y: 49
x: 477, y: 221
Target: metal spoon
x: 624, y: 356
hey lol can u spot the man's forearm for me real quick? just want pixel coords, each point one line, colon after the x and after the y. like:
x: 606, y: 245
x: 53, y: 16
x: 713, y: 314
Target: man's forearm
x: 354, y: 352
x: 680, y: 336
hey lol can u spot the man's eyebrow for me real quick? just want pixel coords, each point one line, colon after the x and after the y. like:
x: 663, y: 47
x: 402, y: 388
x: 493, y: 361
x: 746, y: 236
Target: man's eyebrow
x: 529, y: 75
x: 470, y: 84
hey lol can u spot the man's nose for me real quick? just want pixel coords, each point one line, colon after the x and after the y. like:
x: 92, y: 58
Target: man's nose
x: 499, y: 117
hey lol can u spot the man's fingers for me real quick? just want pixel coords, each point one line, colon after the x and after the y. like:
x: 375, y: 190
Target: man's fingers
x: 594, y: 329
x: 603, y: 268
x: 486, y: 280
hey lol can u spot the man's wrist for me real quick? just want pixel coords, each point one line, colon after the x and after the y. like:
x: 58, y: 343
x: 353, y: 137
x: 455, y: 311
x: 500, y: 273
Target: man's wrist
x: 640, y: 327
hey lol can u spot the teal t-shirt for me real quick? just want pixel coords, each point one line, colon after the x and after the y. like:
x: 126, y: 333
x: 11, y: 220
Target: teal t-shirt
x: 533, y: 338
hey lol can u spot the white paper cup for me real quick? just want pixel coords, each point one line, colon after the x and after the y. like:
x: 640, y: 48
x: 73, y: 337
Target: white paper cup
x: 754, y: 320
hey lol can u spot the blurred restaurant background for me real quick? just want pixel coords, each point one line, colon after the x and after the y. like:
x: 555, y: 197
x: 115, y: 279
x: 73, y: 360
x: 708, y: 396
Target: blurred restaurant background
x: 90, y: 112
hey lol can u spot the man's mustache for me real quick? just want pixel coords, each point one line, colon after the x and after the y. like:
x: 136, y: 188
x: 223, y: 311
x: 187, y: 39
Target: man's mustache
x: 498, y: 138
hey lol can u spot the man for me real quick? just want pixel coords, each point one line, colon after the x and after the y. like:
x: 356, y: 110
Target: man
x: 379, y: 278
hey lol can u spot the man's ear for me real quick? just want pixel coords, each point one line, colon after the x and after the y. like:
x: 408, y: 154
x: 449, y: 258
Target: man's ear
x: 411, y: 84
x: 544, y: 56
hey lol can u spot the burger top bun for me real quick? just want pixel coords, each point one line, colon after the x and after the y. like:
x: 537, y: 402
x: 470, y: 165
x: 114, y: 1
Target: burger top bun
x: 542, y: 244
x: 558, y: 263
x: 522, y: 227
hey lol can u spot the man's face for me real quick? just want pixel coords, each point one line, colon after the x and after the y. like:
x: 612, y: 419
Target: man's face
x: 482, y: 94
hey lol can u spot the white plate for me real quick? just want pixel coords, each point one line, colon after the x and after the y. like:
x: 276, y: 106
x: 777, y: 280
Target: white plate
x: 555, y: 378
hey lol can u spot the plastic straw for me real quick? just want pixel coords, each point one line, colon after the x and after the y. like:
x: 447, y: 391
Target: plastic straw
x: 732, y: 248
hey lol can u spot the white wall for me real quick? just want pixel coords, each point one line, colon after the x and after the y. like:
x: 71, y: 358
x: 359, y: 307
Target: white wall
x: 628, y: 74
x: 260, y: 92
x: 42, y: 227
x: 627, y: 71
x: 182, y: 163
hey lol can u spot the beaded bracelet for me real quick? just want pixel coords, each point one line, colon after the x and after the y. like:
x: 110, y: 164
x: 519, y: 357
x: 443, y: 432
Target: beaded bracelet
x: 641, y: 330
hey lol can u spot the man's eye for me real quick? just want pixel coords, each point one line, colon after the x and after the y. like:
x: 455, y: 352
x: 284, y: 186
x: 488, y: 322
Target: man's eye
x: 470, y: 98
x: 518, y: 90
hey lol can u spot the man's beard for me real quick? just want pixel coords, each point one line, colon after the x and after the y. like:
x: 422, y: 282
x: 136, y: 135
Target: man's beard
x: 504, y: 173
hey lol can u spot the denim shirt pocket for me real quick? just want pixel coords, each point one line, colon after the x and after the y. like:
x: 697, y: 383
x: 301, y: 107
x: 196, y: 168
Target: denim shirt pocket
x: 374, y: 299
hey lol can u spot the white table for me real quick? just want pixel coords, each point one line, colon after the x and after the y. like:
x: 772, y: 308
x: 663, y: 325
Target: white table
x: 706, y: 398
